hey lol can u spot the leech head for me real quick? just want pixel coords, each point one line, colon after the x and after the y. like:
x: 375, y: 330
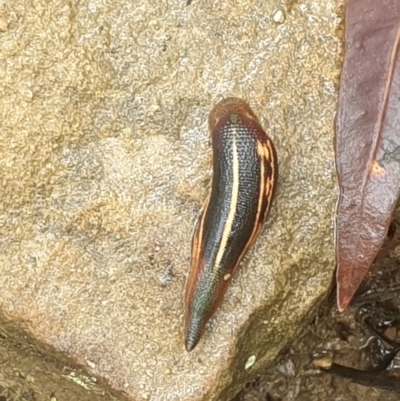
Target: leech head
x: 228, y: 107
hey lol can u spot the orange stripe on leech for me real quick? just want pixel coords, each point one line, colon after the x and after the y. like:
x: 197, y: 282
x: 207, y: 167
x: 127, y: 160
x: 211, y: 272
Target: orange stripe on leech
x: 201, y: 228
x: 267, y: 155
x: 270, y: 180
x: 262, y: 151
x: 271, y: 157
x: 272, y: 162
x: 195, y: 263
x: 269, y: 199
x: 267, y: 187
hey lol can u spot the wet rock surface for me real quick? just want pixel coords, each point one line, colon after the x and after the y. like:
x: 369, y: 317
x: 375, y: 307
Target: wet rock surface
x: 105, y: 163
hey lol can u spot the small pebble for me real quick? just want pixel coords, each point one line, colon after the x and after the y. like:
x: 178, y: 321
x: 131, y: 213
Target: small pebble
x: 250, y: 362
x: 324, y: 362
x: 390, y: 333
x: 279, y: 17
x: 167, y: 371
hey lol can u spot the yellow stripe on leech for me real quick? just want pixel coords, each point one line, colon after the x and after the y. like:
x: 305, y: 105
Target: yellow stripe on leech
x: 233, y: 205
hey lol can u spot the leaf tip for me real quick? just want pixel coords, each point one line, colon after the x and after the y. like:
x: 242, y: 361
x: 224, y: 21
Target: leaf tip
x: 347, y: 286
x: 342, y: 301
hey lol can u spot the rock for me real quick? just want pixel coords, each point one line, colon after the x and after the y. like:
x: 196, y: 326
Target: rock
x: 279, y: 17
x: 105, y: 163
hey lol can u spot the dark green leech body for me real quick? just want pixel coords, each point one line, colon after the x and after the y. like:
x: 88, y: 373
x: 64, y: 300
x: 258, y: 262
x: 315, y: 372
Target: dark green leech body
x: 244, y: 178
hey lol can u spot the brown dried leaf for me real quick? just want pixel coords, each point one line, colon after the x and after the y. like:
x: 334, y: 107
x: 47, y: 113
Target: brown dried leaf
x: 367, y: 138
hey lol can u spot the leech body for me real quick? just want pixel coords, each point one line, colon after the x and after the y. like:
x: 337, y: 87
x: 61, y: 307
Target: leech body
x: 245, y: 172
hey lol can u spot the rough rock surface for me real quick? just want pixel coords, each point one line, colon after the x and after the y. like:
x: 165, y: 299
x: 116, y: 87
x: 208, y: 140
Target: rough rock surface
x: 105, y: 164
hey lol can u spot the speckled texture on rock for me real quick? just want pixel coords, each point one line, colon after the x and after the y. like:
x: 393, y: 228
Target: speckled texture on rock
x: 105, y: 163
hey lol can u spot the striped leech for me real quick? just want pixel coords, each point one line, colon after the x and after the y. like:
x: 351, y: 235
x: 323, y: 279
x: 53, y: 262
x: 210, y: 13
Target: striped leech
x: 245, y: 172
